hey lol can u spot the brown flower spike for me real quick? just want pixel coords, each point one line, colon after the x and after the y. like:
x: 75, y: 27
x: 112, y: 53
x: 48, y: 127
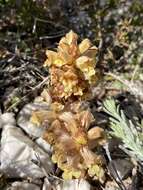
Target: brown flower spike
x: 72, y: 67
x: 74, y: 143
x: 68, y: 123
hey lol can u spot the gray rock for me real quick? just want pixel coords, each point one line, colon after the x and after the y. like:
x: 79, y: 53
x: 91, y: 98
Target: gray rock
x: 20, y: 155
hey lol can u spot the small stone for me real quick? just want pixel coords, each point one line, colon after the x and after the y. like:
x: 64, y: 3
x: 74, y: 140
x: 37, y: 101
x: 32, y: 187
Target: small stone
x: 20, y: 156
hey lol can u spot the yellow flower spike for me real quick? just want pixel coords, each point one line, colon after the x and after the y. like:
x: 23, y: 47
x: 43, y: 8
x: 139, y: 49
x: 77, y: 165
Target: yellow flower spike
x: 75, y: 64
x: 72, y: 76
x: 68, y: 135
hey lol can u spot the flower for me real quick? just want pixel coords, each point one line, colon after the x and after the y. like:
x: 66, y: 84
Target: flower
x: 72, y: 67
x: 67, y: 122
x: 73, y: 141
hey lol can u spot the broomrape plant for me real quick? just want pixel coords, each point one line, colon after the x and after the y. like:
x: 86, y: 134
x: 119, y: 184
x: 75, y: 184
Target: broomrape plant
x: 72, y: 67
x: 73, y: 142
x: 122, y: 128
x: 68, y: 123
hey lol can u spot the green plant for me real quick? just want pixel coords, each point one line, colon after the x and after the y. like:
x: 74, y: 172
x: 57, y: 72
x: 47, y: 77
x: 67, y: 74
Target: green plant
x: 130, y: 134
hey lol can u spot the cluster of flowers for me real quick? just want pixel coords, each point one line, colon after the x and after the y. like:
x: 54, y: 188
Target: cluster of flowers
x: 75, y: 142
x: 72, y: 67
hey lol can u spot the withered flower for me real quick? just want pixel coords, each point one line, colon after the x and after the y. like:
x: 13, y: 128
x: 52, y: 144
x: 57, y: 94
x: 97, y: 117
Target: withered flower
x: 72, y: 67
